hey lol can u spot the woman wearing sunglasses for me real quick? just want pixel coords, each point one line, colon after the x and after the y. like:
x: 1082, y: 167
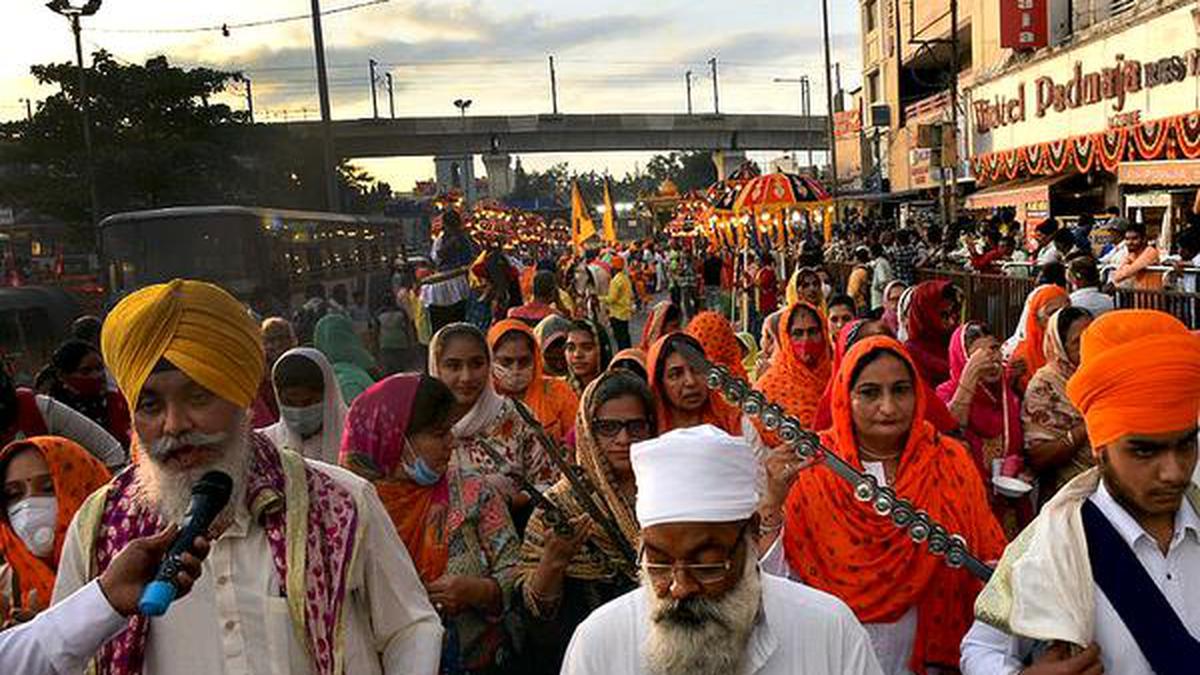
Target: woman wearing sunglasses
x: 564, y: 578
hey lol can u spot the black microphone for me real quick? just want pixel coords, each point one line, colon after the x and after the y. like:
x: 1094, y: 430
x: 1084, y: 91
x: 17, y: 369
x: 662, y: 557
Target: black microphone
x: 209, y: 496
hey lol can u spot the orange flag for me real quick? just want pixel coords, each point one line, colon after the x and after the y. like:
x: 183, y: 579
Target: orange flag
x: 582, y: 226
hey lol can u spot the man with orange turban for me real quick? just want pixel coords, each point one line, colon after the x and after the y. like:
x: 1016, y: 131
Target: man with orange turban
x: 1106, y: 575
x: 619, y: 302
x: 307, y: 564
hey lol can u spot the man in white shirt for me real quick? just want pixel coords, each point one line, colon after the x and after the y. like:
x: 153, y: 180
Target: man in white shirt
x: 1048, y: 252
x: 306, y: 572
x: 1084, y: 277
x: 1106, y: 575
x: 61, y: 639
x: 704, y: 607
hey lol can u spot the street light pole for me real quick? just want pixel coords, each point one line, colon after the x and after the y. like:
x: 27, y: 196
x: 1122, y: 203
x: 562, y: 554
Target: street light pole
x: 74, y: 14
x: 328, y: 161
x: 716, y: 94
x: 805, y: 106
x: 391, y: 98
x: 374, y: 90
x: 688, y: 77
x: 833, y: 175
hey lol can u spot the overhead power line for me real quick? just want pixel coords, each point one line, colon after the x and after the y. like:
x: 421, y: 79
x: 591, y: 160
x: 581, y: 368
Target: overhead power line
x: 227, y: 27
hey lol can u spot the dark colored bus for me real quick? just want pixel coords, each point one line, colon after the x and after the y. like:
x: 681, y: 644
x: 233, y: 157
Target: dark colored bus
x: 272, y: 259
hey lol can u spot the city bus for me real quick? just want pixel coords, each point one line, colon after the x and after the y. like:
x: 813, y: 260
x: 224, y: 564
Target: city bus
x: 272, y: 259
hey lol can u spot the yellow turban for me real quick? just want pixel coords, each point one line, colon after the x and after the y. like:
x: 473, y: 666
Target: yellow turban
x: 1139, y: 373
x: 202, y: 330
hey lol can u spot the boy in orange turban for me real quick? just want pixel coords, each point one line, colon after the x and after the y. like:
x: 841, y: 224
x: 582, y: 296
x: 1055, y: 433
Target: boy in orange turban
x: 1106, y: 575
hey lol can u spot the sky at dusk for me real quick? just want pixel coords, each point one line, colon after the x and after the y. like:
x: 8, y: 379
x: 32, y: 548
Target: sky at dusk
x: 611, y: 56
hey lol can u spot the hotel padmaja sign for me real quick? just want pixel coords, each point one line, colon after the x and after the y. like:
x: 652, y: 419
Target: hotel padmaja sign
x: 1114, y: 85
x: 1024, y: 24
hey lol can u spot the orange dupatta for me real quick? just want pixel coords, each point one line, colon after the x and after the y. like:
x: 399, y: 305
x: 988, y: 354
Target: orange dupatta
x: 720, y: 343
x: 75, y: 474
x: 838, y: 544
x: 788, y: 381
x: 551, y: 399
x: 374, y: 439
x: 1031, y: 350
x: 716, y: 411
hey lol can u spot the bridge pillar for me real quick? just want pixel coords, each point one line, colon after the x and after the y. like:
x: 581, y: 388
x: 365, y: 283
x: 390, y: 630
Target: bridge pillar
x: 457, y: 172
x: 499, y: 174
x: 727, y: 161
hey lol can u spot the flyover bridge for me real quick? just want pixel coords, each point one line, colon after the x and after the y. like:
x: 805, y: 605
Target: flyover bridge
x: 424, y: 136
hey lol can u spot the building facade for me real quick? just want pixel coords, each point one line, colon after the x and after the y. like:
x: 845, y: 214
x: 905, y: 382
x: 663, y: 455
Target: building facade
x: 1107, y: 117
x: 1065, y: 106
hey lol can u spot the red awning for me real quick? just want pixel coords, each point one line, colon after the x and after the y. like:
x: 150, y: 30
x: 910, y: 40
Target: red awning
x: 1015, y: 193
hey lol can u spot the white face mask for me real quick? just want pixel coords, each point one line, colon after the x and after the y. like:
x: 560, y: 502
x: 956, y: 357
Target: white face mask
x: 513, y: 379
x: 33, y: 519
x: 305, y: 421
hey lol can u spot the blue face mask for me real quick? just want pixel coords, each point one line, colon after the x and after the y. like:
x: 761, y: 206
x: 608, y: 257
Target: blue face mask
x: 418, y: 470
x: 420, y: 473
x: 305, y: 421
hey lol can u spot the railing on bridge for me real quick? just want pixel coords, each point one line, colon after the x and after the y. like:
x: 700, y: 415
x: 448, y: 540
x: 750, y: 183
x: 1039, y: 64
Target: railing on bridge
x: 998, y: 298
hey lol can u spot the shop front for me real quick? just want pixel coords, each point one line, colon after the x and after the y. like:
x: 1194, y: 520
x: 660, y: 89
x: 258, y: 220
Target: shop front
x: 1114, y: 116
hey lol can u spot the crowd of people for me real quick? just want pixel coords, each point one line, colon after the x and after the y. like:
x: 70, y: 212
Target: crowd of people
x: 496, y: 473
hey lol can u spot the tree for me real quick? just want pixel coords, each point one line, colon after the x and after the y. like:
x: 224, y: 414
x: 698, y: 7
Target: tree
x: 159, y: 140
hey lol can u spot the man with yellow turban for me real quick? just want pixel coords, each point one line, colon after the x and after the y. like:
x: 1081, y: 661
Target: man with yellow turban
x: 306, y: 573
x: 1108, y: 575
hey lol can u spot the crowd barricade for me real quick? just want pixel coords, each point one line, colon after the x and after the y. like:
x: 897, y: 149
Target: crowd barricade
x: 999, y: 299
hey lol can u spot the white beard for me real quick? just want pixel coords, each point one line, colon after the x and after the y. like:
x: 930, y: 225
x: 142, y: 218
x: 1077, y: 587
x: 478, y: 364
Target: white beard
x: 703, y: 636
x: 169, y: 491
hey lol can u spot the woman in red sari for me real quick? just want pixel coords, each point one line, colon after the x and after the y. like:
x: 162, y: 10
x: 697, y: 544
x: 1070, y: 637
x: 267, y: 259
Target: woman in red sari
x: 933, y: 314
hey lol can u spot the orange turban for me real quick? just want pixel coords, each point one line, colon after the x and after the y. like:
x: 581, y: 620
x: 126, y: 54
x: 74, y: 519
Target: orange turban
x: 201, y: 329
x: 1139, y: 374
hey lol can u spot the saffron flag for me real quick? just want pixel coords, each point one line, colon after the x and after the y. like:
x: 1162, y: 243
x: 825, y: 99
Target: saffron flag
x: 582, y: 226
x: 610, y: 217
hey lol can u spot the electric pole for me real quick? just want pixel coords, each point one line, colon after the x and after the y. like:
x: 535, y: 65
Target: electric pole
x: 716, y: 93
x: 688, y: 78
x: 391, y: 98
x: 553, y: 87
x: 28, y: 109
x: 328, y: 160
x: 952, y: 197
x: 249, y: 98
x: 374, y: 89
x: 833, y: 175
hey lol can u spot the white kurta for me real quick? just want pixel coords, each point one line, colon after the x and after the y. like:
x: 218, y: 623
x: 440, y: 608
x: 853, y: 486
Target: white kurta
x: 801, y: 630
x: 235, y: 621
x: 988, y: 651
x: 63, y: 638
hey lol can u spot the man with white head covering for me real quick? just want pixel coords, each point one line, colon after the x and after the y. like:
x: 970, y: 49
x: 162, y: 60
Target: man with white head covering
x: 306, y: 573
x: 704, y: 607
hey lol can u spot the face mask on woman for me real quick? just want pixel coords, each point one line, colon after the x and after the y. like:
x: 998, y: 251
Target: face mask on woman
x: 86, y: 386
x: 513, y: 379
x: 808, y: 351
x: 305, y: 421
x: 418, y: 470
x: 33, y: 520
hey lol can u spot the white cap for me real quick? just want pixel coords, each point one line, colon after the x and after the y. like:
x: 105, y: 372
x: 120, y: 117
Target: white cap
x: 697, y: 474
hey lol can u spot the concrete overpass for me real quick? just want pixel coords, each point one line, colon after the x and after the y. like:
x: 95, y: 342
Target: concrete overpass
x: 424, y: 136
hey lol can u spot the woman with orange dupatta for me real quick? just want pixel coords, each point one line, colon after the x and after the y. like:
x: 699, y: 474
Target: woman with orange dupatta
x: 800, y: 368
x: 1030, y: 356
x: 45, y: 481
x: 455, y: 527
x: 720, y: 343
x: 517, y: 374
x: 914, y: 607
x: 681, y: 395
